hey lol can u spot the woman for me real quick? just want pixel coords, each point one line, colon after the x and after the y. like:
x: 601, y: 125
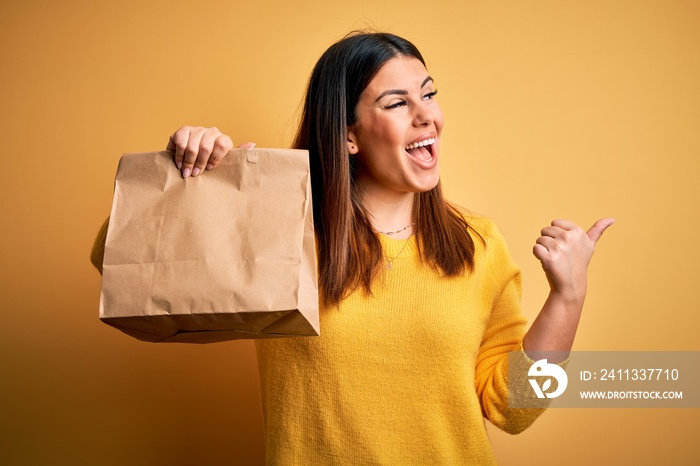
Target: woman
x: 420, y: 301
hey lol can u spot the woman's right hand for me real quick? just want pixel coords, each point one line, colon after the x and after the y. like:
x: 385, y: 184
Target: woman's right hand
x: 198, y: 148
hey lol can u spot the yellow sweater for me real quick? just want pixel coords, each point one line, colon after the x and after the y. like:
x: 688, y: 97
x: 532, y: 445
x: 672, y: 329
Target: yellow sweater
x: 403, y: 377
x: 406, y: 376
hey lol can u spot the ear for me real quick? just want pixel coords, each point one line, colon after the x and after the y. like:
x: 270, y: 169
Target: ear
x: 352, y: 142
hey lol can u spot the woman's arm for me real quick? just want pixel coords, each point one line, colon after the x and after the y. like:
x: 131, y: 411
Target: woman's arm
x: 565, y: 250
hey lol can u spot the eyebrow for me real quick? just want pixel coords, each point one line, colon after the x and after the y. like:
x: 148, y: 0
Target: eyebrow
x: 402, y: 91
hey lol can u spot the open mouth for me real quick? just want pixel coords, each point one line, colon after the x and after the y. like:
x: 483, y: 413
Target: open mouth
x: 421, y: 150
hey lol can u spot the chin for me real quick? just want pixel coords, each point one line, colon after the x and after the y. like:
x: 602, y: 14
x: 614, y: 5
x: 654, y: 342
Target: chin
x: 427, y: 184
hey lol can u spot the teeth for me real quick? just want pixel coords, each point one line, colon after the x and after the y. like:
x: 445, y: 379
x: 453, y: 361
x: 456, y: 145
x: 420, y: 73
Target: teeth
x: 427, y: 142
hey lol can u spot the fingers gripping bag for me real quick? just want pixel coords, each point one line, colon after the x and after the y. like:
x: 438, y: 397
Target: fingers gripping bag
x: 225, y: 255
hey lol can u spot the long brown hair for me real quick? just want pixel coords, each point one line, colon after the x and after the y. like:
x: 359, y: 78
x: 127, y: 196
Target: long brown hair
x: 349, y: 251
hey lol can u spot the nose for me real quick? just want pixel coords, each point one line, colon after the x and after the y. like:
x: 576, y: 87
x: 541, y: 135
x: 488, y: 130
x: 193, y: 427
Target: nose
x: 424, y: 114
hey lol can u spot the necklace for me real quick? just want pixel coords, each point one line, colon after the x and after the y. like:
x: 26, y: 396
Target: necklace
x: 389, y: 233
x: 390, y: 260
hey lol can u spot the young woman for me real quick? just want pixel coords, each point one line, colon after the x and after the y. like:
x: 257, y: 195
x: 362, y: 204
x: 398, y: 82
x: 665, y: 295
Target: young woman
x: 420, y: 301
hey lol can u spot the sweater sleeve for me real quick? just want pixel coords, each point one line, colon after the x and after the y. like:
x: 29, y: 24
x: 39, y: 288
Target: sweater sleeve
x: 98, y: 249
x: 504, y: 333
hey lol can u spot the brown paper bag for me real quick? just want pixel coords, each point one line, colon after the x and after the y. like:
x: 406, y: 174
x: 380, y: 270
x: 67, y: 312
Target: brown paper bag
x: 228, y: 254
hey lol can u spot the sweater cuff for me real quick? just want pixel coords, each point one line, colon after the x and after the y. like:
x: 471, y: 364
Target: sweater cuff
x: 521, y: 393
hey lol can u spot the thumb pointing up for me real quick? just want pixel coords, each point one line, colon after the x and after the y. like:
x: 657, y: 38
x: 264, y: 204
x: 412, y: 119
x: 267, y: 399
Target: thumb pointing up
x: 598, y: 228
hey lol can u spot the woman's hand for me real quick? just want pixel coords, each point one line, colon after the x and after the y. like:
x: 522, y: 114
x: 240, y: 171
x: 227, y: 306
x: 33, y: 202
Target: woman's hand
x: 565, y: 250
x: 198, y: 148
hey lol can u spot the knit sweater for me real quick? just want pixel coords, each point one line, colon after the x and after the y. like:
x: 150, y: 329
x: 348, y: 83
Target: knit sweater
x: 404, y: 376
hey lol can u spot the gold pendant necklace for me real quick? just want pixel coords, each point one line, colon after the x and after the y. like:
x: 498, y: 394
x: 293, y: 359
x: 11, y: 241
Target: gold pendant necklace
x: 390, y: 260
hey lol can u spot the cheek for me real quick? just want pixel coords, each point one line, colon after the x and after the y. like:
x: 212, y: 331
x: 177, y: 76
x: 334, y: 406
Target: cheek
x: 439, y: 119
x: 382, y: 131
x: 380, y: 163
x: 375, y: 162
x: 384, y: 134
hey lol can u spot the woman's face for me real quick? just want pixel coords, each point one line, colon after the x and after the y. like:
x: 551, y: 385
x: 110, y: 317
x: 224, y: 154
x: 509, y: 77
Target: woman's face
x: 397, y: 132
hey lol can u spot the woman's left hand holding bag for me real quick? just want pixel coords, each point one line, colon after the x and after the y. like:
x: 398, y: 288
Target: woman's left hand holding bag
x: 198, y: 148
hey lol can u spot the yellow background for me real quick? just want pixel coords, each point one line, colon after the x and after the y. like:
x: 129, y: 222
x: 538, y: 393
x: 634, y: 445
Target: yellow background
x: 574, y: 109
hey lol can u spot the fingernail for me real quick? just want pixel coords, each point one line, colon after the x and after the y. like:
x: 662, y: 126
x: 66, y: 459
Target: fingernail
x: 186, y: 173
x: 196, y: 171
x: 179, y: 164
x: 254, y: 144
x: 209, y: 166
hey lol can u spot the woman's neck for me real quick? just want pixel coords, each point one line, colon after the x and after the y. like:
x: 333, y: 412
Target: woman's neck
x: 390, y: 212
